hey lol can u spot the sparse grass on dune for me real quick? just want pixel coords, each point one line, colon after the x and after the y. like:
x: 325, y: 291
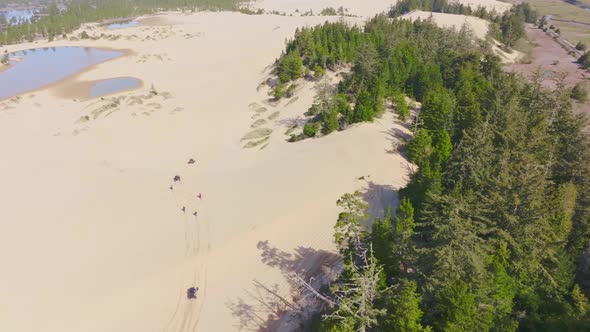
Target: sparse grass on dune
x: 253, y: 144
x: 258, y: 123
x: 257, y: 108
x: 274, y: 116
x: 291, y: 130
x: 258, y: 133
x: 292, y: 100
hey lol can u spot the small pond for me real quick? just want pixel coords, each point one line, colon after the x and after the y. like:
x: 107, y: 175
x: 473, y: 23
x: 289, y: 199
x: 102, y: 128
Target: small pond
x: 113, y: 85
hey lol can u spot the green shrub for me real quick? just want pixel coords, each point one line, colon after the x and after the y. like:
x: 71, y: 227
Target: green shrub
x: 310, y: 129
x: 584, y: 60
x: 290, y: 67
x: 401, y: 107
x: 329, y: 121
x: 279, y: 91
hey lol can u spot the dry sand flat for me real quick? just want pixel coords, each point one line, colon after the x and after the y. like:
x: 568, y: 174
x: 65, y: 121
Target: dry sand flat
x: 92, y: 237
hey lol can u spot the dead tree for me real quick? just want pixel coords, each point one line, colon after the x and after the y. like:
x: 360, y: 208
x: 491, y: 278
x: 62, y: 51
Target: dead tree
x: 354, y: 297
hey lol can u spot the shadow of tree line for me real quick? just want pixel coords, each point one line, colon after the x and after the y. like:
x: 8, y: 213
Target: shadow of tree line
x: 268, y: 307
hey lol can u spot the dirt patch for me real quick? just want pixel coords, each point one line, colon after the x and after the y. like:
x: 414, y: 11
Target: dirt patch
x: 550, y: 59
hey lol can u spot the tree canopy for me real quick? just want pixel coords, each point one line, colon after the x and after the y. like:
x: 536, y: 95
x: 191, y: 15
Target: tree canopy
x: 492, y: 230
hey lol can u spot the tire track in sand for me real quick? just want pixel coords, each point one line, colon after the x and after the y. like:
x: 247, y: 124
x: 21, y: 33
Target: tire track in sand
x: 186, y: 315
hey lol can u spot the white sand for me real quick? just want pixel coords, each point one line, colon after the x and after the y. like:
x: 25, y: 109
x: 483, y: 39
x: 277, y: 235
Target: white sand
x: 92, y: 238
x: 478, y: 26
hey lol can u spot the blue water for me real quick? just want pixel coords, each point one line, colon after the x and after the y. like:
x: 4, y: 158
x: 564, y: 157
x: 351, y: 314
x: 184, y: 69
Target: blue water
x: 25, y: 14
x: 43, y: 66
x: 112, y: 85
x: 122, y: 25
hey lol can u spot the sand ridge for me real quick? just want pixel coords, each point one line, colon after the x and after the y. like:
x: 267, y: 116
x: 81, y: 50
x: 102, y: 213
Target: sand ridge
x: 478, y: 26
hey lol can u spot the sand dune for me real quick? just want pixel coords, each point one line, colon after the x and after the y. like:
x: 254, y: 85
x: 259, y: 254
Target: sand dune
x: 92, y: 237
x: 490, y: 5
x: 478, y: 26
x: 367, y: 8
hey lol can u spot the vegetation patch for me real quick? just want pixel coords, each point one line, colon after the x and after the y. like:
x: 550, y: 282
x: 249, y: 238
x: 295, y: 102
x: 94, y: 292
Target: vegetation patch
x: 253, y: 144
x: 492, y: 230
x: 274, y: 115
x: 257, y: 108
x: 258, y: 123
x: 291, y: 130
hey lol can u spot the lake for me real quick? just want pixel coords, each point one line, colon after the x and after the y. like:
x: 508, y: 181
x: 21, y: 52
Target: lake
x: 113, y: 85
x: 39, y: 67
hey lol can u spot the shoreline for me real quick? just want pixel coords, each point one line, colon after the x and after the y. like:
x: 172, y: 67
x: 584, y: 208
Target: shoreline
x: 78, y: 89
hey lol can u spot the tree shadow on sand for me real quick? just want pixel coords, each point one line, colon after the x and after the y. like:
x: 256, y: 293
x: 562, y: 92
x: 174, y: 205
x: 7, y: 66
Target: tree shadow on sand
x: 379, y: 197
x: 294, y: 121
x: 290, y: 306
x: 398, y: 139
x: 267, y: 307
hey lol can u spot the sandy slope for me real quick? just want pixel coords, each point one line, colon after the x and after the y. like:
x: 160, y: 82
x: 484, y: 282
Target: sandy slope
x: 478, y: 26
x: 92, y: 238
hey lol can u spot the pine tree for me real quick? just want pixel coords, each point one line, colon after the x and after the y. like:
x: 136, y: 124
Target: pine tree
x: 420, y: 148
x: 382, y: 241
x: 401, y: 107
x: 437, y: 110
x: 343, y: 107
x: 457, y: 308
x: 403, y: 310
x: 403, y: 226
x: 364, y: 107
x: 580, y: 301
